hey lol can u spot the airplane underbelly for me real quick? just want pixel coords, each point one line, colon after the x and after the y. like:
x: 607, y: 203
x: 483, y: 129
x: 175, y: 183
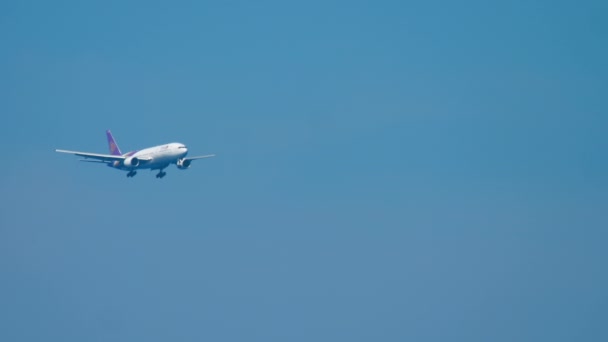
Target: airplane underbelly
x: 159, y: 162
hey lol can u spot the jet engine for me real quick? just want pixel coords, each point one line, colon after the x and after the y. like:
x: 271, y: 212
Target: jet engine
x: 131, y: 162
x: 183, y: 164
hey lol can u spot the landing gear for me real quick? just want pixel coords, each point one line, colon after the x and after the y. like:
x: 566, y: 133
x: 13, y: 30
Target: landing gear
x: 161, y: 174
x: 131, y: 174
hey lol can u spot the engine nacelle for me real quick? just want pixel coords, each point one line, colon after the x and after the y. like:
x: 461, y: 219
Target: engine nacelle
x: 183, y: 164
x: 131, y: 162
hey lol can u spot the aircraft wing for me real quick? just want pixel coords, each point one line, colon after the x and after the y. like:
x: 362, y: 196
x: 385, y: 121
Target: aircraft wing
x: 97, y: 156
x: 199, y: 157
x: 94, y: 161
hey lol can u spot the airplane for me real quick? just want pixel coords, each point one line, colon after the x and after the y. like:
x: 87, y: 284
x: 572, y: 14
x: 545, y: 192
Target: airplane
x: 153, y: 158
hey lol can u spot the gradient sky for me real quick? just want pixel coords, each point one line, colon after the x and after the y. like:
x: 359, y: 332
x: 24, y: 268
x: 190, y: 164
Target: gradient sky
x: 386, y: 171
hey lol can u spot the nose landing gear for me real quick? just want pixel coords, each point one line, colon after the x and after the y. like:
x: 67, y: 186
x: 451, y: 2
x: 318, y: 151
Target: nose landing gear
x: 161, y: 174
x: 131, y: 174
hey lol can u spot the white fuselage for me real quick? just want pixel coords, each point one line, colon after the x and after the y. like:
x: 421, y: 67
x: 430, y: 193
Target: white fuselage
x: 154, y: 158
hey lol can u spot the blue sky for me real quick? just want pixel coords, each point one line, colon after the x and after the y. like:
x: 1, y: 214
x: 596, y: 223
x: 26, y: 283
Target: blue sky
x: 386, y: 171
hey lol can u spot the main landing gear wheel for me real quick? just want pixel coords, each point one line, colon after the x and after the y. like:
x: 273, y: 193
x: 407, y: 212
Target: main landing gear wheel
x: 161, y: 174
x: 131, y: 174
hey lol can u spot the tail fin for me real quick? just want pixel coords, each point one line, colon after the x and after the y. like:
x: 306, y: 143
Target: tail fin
x: 114, y: 150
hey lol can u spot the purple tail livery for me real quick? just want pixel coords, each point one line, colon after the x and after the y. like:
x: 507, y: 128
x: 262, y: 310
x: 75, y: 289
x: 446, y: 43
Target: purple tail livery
x: 114, y: 150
